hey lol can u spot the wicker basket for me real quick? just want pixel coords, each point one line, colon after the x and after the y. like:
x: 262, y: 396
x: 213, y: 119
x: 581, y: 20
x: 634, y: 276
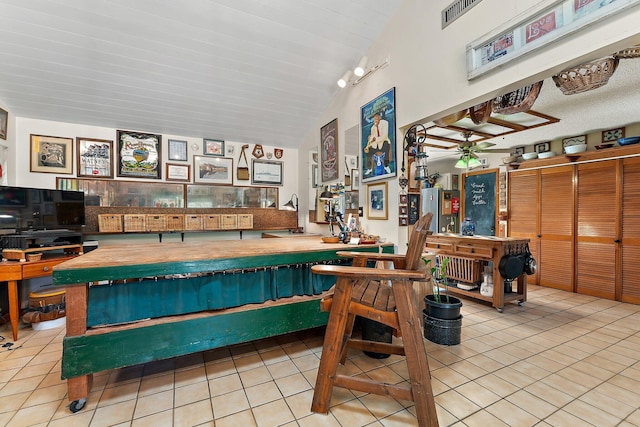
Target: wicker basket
x: 211, y: 222
x: 156, y: 222
x: 134, y: 223
x: 110, y: 223
x: 245, y: 221
x: 175, y: 222
x: 480, y: 113
x: 466, y: 270
x: 629, y: 53
x: 517, y: 101
x: 591, y: 75
x: 229, y: 221
x: 193, y: 222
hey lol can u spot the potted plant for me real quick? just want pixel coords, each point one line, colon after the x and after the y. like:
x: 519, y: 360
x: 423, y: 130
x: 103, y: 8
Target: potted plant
x: 442, y: 318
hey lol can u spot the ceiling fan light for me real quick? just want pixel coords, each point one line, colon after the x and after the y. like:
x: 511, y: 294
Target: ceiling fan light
x: 474, y: 163
x: 461, y: 164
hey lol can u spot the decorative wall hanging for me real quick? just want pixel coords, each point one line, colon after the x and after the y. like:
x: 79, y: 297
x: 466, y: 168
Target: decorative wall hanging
x: 542, y: 147
x: 266, y: 172
x: 258, y: 151
x: 178, y: 172
x: 177, y: 150
x: 329, y: 151
x: 4, y: 118
x: 213, y: 147
x: 213, y: 170
x: 378, y: 137
x: 95, y: 157
x: 278, y: 152
x: 612, y: 135
x: 242, y: 172
x: 377, y: 195
x: 139, y: 154
x: 51, y: 154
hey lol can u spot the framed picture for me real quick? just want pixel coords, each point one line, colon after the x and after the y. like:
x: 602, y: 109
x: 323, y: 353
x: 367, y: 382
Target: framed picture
x: 377, y: 201
x: 314, y: 176
x: 518, y: 151
x: 95, y: 157
x: 329, y: 151
x: 213, y: 170
x: 414, y: 208
x: 266, y: 172
x: 178, y: 172
x: 403, y: 221
x: 403, y: 210
x: 404, y: 199
x: 378, y: 137
x: 542, y: 147
x: 139, y: 154
x: 355, y: 179
x: 213, y: 147
x: 454, y: 181
x: 580, y: 139
x: 4, y: 119
x: 51, y: 154
x: 612, y: 135
x: 177, y: 150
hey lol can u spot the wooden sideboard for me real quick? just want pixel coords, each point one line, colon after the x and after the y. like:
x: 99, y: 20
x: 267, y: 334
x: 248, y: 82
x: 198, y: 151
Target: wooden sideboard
x: 484, y: 249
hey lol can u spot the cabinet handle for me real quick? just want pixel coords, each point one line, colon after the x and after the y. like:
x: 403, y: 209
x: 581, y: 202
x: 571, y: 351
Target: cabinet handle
x: 45, y: 268
x: 617, y: 241
x: 539, y: 236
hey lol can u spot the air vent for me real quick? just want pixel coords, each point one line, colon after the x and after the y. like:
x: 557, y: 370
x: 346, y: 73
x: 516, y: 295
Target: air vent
x: 456, y: 9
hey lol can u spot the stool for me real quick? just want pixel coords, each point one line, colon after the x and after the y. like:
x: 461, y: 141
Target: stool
x: 365, y: 292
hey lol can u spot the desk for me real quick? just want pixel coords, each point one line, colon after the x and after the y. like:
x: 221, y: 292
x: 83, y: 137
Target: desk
x: 483, y: 248
x: 14, y: 271
x: 239, y: 291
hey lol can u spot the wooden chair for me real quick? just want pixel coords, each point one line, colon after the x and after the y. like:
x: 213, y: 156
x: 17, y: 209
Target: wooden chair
x: 366, y: 292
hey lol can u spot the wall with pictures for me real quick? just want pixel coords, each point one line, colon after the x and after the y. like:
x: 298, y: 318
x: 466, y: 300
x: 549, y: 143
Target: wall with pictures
x: 431, y: 78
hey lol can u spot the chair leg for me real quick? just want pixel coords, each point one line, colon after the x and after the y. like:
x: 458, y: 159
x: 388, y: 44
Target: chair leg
x: 334, y: 341
x: 415, y: 353
x: 351, y: 320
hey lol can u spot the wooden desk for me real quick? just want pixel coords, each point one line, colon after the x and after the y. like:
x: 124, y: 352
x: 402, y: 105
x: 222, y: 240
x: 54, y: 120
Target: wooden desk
x: 161, y: 326
x: 483, y: 248
x: 14, y: 271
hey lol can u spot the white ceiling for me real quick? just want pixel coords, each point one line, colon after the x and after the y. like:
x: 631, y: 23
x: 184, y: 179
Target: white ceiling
x: 255, y: 71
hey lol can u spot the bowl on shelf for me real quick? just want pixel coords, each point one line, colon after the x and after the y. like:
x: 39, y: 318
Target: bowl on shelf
x: 629, y: 140
x: 603, y: 146
x: 331, y: 239
x: 574, y: 149
x: 546, y: 155
x: 529, y: 156
x: 510, y: 159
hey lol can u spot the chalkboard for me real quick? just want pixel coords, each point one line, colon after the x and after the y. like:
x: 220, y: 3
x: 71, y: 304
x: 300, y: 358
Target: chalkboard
x: 480, y: 200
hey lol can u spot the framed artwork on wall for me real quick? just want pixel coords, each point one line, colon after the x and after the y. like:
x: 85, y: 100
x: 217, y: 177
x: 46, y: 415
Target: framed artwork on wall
x: 329, y: 151
x: 139, y: 154
x: 177, y: 150
x: 213, y: 170
x: 95, y: 157
x: 178, y: 172
x: 266, y: 172
x: 355, y: 179
x: 4, y: 119
x: 612, y: 135
x: 378, y: 137
x: 377, y: 201
x: 213, y: 147
x: 51, y: 154
x: 542, y: 147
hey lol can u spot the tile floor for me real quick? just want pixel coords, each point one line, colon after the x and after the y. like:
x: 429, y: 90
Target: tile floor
x: 561, y: 360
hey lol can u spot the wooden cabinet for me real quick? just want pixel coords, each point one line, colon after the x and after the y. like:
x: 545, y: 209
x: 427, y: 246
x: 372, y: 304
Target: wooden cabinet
x: 628, y: 272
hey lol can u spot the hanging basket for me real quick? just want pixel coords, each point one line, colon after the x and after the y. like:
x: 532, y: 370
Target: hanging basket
x: 629, y: 53
x: 585, y: 77
x: 450, y: 119
x: 517, y: 101
x: 480, y: 113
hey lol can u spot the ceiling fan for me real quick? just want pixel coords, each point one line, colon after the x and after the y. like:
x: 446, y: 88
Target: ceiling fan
x: 470, y: 149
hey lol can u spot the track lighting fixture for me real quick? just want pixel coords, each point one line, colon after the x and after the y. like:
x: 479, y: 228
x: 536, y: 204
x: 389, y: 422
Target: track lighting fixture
x: 360, y: 72
x: 360, y: 68
x: 345, y: 79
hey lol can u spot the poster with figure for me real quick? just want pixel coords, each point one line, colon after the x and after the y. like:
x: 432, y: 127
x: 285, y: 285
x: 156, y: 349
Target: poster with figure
x: 329, y: 151
x: 378, y: 137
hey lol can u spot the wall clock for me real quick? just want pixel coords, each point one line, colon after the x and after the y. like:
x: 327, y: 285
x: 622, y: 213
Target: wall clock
x: 612, y: 134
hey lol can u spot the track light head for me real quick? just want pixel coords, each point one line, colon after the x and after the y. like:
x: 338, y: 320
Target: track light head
x: 360, y: 68
x: 345, y: 79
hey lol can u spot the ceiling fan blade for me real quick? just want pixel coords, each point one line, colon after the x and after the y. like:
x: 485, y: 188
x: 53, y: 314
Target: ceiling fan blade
x: 484, y: 144
x: 498, y: 150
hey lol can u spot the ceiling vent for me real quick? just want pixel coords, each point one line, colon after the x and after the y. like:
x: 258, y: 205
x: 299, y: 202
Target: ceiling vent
x: 456, y: 10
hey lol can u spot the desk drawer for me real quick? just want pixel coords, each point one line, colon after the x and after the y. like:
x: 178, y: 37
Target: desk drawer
x: 10, y: 272
x: 474, y: 251
x: 444, y: 247
x: 39, y: 269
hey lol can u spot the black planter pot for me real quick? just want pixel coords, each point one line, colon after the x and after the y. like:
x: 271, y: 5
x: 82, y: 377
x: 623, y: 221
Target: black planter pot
x: 446, y: 309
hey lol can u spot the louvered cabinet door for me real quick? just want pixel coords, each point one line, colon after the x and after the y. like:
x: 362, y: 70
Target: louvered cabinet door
x: 597, y: 219
x: 630, y: 250
x: 523, y: 210
x: 556, y: 258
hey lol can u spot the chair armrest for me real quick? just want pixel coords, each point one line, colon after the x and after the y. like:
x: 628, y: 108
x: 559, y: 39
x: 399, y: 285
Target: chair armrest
x: 368, y: 273
x: 373, y: 256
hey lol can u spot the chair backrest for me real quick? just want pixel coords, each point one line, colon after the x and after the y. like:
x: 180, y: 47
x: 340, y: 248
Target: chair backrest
x: 416, y: 242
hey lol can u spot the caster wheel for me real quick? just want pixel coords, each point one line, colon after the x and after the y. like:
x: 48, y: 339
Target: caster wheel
x: 499, y: 310
x: 77, y: 405
x: 520, y: 303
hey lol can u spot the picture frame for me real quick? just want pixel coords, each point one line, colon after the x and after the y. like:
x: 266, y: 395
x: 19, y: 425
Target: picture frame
x: 403, y: 210
x: 573, y: 140
x: 378, y: 138
x: 177, y: 172
x: 51, y: 154
x: 177, y: 150
x: 404, y: 199
x: 542, y: 147
x: 518, y: 151
x: 213, y: 147
x: 377, y: 201
x: 139, y: 154
x: 403, y: 221
x: 4, y: 121
x: 414, y: 208
x: 266, y: 172
x: 329, y: 151
x: 355, y: 179
x: 213, y: 170
x: 612, y: 135
x: 94, y: 157
x: 314, y: 176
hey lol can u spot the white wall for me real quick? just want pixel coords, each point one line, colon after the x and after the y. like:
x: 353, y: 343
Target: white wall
x: 428, y: 69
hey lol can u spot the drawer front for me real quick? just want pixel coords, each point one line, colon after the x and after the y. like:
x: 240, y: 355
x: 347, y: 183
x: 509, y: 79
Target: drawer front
x: 439, y: 246
x: 474, y: 251
x: 39, y: 269
x: 10, y: 272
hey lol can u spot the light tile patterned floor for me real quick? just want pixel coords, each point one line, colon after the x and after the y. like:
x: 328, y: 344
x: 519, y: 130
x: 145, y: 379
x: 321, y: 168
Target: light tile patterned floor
x: 561, y: 360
